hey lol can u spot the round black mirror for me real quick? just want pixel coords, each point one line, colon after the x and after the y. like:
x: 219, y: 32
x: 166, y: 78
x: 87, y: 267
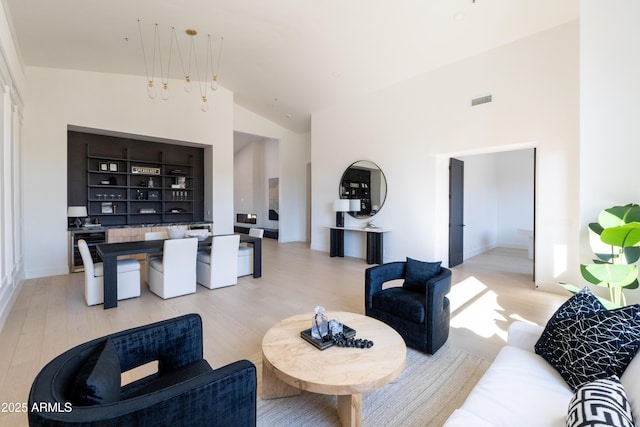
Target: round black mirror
x: 364, y: 184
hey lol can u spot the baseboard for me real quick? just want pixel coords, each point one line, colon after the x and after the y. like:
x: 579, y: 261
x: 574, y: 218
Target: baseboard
x: 477, y: 251
x: 60, y: 271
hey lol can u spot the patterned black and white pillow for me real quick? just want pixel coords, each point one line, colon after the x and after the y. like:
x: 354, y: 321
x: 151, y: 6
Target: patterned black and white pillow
x: 584, y: 303
x: 601, y: 402
x: 594, y: 347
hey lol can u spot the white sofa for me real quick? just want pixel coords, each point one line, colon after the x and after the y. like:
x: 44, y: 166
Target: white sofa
x: 521, y: 389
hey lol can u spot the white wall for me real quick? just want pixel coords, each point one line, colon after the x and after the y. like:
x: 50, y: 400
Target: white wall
x: 515, y: 197
x: 411, y: 129
x: 480, y: 204
x: 609, y: 109
x: 11, y: 176
x: 294, y: 154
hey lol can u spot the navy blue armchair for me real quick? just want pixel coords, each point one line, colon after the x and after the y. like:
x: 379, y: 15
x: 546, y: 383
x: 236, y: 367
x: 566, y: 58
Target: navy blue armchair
x: 419, y: 310
x: 81, y: 387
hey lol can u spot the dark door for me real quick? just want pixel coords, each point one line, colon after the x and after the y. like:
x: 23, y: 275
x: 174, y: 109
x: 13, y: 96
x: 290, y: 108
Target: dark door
x: 456, y: 211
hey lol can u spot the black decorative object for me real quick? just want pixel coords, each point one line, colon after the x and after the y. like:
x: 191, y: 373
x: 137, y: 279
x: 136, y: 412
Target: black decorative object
x: 340, y: 206
x: 327, y: 341
x: 342, y: 341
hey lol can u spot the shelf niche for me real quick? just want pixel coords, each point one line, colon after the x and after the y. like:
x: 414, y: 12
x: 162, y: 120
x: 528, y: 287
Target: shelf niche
x: 110, y: 175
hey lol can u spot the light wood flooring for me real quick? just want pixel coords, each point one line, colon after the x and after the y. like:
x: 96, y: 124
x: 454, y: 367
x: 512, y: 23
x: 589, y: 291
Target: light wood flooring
x: 50, y: 316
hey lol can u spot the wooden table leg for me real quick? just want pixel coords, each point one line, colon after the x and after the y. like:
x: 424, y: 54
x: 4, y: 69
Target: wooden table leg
x: 272, y: 386
x: 350, y: 410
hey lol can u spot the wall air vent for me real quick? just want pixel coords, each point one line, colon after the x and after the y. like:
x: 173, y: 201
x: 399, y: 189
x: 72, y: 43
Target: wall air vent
x: 480, y: 100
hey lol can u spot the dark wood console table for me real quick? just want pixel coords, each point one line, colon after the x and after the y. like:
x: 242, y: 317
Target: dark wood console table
x: 109, y: 252
x: 375, y: 247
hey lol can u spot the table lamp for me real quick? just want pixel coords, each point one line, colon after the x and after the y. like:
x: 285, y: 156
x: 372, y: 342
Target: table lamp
x: 340, y: 206
x: 354, y: 205
x: 77, y: 212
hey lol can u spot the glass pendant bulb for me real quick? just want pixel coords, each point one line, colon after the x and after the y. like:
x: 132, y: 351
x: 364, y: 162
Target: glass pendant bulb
x: 187, y: 84
x: 151, y: 90
x: 204, y: 105
x: 214, y: 83
x: 165, y: 91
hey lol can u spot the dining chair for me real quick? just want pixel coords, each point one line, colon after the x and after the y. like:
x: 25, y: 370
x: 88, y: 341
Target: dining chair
x: 218, y: 266
x: 153, y: 235
x: 174, y: 274
x: 128, y: 277
x: 245, y: 253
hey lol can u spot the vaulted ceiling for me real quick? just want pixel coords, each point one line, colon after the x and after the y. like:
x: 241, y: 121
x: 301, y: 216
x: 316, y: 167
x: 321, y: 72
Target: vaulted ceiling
x: 283, y: 59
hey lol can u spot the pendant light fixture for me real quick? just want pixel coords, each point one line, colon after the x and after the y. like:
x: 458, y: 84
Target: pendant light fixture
x: 211, y: 68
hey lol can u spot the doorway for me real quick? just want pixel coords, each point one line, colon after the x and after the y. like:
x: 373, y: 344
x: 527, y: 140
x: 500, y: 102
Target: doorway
x: 492, y: 198
x: 256, y: 183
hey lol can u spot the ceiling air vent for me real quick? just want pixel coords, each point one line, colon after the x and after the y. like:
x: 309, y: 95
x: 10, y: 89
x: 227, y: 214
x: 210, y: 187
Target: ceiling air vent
x: 480, y: 100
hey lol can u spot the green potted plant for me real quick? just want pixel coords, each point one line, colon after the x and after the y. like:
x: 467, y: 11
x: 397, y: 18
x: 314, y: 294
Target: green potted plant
x: 615, y: 240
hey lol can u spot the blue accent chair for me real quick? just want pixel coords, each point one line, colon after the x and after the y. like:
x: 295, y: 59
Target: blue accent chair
x: 420, y: 317
x: 81, y: 387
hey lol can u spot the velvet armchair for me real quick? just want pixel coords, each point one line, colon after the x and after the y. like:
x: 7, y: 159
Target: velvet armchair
x: 419, y: 309
x: 81, y: 387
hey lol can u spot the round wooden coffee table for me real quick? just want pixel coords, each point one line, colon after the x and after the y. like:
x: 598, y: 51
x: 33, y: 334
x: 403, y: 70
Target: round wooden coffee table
x: 291, y: 364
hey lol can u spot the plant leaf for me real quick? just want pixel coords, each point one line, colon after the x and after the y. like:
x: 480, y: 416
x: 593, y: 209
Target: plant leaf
x: 622, y: 236
x: 631, y: 254
x: 633, y: 285
x: 619, y: 215
x: 610, y: 275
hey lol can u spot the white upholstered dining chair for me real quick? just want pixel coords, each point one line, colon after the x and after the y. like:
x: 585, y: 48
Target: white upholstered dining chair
x: 128, y: 277
x: 174, y: 274
x: 245, y: 253
x: 153, y: 235
x: 218, y: 267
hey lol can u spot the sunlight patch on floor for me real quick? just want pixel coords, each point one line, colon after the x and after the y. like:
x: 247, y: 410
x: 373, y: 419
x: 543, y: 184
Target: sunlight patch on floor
x: 475, y: 307
x: 463, y: 292
x: 516, y: 316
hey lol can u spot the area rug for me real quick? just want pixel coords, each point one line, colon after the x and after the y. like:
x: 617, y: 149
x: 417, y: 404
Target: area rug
x: 428, y: 390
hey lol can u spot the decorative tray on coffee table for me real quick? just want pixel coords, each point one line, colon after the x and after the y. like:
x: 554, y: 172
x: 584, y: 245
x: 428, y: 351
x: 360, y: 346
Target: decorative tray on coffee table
x: 322, y: 345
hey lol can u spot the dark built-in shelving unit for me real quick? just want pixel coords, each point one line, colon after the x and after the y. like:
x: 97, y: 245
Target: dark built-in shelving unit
x: 125, y: 181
